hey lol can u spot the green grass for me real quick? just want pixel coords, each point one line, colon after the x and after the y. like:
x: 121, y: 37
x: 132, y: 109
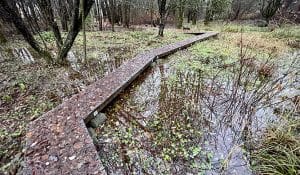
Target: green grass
x: 234, y: 28
x: 282, y: 32
x: 24, y: 102
x: 32, y: 90
x: 279, y: 152
x: 288, y: 32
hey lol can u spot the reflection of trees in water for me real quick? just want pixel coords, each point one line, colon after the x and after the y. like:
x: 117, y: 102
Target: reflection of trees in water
x: 193, y: 107
x: 168, y: 142
x: 104, y: 63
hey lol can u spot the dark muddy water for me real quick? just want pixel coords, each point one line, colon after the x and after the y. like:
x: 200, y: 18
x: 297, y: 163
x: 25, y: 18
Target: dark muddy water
x: 194, y: 121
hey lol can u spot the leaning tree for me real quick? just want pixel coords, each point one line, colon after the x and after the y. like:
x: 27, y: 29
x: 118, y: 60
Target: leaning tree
x: 27, y: 15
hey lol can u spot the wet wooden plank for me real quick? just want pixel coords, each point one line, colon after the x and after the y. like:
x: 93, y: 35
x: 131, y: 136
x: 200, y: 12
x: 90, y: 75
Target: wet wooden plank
x: 58, y: 142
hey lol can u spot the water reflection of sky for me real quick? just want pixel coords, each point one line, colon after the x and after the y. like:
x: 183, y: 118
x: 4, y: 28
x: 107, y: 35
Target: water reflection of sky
x: 223, y: 137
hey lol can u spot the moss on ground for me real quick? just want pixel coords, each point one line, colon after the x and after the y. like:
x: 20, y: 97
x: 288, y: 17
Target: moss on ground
x: 166, y: 138
x: 28, y: 91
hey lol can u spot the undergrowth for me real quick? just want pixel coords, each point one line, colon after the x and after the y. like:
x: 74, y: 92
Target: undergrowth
x: 28, y: 91
x: 279, y: 152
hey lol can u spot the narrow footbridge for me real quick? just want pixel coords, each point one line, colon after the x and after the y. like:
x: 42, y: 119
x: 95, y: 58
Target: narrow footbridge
x: 59, y: 143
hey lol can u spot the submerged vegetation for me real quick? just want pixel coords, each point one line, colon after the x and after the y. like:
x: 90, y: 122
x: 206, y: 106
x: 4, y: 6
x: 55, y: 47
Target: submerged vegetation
x: 227, y: 105
x: 191, y: 112
x: 204, y: 110
x: 28, y: 91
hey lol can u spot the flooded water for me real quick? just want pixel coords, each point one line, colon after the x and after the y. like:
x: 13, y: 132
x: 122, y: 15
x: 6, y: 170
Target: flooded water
x: 182, y: 118
x: 107, y: 51
x: 105, y: 61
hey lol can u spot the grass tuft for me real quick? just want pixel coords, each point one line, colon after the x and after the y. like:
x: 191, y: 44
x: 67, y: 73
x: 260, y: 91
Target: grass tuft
x: 292, y: 32
x: 279, y: 152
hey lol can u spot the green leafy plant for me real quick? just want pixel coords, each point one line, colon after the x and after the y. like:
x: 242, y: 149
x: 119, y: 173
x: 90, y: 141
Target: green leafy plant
x: 48, y: 36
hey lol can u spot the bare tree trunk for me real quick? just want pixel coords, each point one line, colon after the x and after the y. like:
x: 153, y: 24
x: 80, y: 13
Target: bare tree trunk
x: 112, y: 12
x: 208, y: 14
x: 107, y: 9
x: 99, y: 15
x: 75, y: 27
x: 126, y: 13
x: 100, y: 21
x: 194, y: 17
x: 152, y: 13
x: 162, y: 12
x: 64, y: 17
x: 127, y: 19
x: 180, y: 13
x: 15, y: 18
x: 83, y: 30
x: 46, y: 6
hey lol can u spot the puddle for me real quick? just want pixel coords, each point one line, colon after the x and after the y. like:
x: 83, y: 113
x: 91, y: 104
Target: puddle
x: 105, y: 61
x: 172, y: 121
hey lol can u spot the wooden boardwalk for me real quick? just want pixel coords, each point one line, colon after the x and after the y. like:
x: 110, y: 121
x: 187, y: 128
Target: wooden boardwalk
x: 59, y: 143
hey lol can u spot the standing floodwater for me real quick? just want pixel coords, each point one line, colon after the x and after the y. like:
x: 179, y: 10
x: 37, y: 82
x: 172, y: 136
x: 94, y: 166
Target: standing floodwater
x: 194, y: 117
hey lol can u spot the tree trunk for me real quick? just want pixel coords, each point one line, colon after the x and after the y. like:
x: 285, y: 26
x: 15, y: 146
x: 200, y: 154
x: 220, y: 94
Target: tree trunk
x: 100, y: 20
x: 75, y: 27
x: 194, y: 18
x: 161, y: 29
x: 152, y: 13
x: 48, y: 13
x: 162, y: 12
x: 180, y: 14
x: 208, y: 15
x: 189, y: 17
x: 107, y: 9
x: 112, y: 13
x: 83, y: 30
x: 15, y: 18
x: 126, y: 13
x: 63, y: 15
x: 98, y: 14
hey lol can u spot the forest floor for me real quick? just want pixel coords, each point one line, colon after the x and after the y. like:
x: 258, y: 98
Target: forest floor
x: 182, y: 116
x: 28, y: 91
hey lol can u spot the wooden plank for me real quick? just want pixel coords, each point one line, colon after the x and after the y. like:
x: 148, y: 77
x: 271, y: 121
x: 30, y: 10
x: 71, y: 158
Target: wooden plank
x: 58, y: 142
